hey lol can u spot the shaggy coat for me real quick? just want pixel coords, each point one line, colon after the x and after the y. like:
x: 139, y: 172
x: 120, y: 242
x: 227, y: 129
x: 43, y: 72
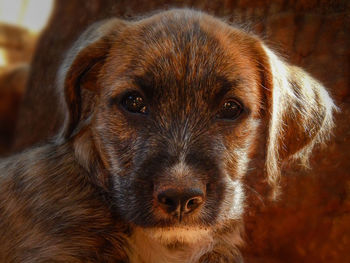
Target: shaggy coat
x: 163, y: 117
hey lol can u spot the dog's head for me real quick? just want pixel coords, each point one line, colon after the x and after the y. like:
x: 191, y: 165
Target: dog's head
x: 173, y: 106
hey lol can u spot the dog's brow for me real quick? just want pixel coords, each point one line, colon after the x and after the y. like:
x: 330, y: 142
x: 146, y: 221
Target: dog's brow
x: 224, y: 85
x: 145, y: 83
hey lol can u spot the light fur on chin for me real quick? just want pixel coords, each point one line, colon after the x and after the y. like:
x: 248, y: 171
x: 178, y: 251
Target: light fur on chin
x: 169, y: 245
x: 182, y: 235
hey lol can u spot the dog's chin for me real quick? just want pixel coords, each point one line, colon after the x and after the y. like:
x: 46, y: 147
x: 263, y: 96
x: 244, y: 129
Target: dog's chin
x: 179, y: 236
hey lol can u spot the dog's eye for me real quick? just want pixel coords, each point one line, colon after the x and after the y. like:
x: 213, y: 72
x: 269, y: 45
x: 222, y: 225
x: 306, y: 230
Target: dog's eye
x: 133, y: 102
x: 230, y: 110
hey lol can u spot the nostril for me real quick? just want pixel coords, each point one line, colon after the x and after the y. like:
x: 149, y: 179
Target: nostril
x: 180, y: 201
x: 193, y: 203
x: 166, y: 201
x: 169, y: 200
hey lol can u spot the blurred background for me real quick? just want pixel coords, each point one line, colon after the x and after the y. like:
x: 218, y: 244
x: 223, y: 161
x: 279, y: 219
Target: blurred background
x: 311, y: 222
x: 21, y: 22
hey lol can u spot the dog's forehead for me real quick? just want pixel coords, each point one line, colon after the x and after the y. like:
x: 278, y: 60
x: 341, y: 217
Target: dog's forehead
x: 186, y: 52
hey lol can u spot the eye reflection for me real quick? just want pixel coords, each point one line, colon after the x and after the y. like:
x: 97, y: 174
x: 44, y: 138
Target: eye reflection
x: 230, y: 110
x: 134, y: 103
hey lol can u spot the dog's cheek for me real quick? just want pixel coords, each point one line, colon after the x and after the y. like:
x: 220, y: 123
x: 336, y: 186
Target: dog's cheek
x: 115, y: 139
x: 133, y: 199
x: 233, y: 201
x: 240, y: 146
x: 121, y: 145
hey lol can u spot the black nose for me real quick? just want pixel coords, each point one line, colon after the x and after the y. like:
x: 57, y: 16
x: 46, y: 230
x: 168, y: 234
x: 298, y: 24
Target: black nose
x: 178, y: 202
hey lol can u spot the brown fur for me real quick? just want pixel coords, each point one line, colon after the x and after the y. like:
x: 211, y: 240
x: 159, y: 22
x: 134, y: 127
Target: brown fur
x: 89, y: 196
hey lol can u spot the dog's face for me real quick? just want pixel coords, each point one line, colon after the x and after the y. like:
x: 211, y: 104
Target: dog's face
x: 176, y: 118
x: 179, y: 100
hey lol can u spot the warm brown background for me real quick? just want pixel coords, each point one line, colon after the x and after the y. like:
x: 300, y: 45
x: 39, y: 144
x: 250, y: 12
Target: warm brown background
x: 311, y: 222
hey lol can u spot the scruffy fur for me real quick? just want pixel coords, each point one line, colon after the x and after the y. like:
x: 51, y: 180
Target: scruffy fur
x: 89, y: 195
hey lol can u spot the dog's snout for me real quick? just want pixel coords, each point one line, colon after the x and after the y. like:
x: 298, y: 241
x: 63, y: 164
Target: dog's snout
x: 177, y: 202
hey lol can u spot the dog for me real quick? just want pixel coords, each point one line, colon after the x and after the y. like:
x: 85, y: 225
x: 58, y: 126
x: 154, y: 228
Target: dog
x: 164, y: 114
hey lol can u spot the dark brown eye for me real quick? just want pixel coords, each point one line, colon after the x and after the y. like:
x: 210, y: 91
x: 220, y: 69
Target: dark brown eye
x: 230, y: 110
x: 133, y: 102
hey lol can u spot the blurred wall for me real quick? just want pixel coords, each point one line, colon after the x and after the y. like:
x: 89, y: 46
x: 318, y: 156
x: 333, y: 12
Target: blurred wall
x: 20, y: 23
x: 311, y: 222
x: 16, y: 50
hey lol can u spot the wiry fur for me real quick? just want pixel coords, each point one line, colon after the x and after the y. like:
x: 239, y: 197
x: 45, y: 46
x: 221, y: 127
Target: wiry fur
x: 90, y: 195
x: 51, y: 210
x: 301, y: 108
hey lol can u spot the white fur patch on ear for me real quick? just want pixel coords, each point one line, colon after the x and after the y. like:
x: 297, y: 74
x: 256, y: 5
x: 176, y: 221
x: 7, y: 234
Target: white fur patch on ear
x: 301, y: 115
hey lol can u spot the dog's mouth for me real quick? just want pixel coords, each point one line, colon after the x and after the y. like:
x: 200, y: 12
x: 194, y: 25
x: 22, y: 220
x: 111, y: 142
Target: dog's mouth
x: 178, y: 236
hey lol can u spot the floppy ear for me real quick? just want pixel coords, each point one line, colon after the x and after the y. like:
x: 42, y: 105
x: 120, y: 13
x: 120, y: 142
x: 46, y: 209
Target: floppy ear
x: 81, y: 67
x: 300, y: 114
